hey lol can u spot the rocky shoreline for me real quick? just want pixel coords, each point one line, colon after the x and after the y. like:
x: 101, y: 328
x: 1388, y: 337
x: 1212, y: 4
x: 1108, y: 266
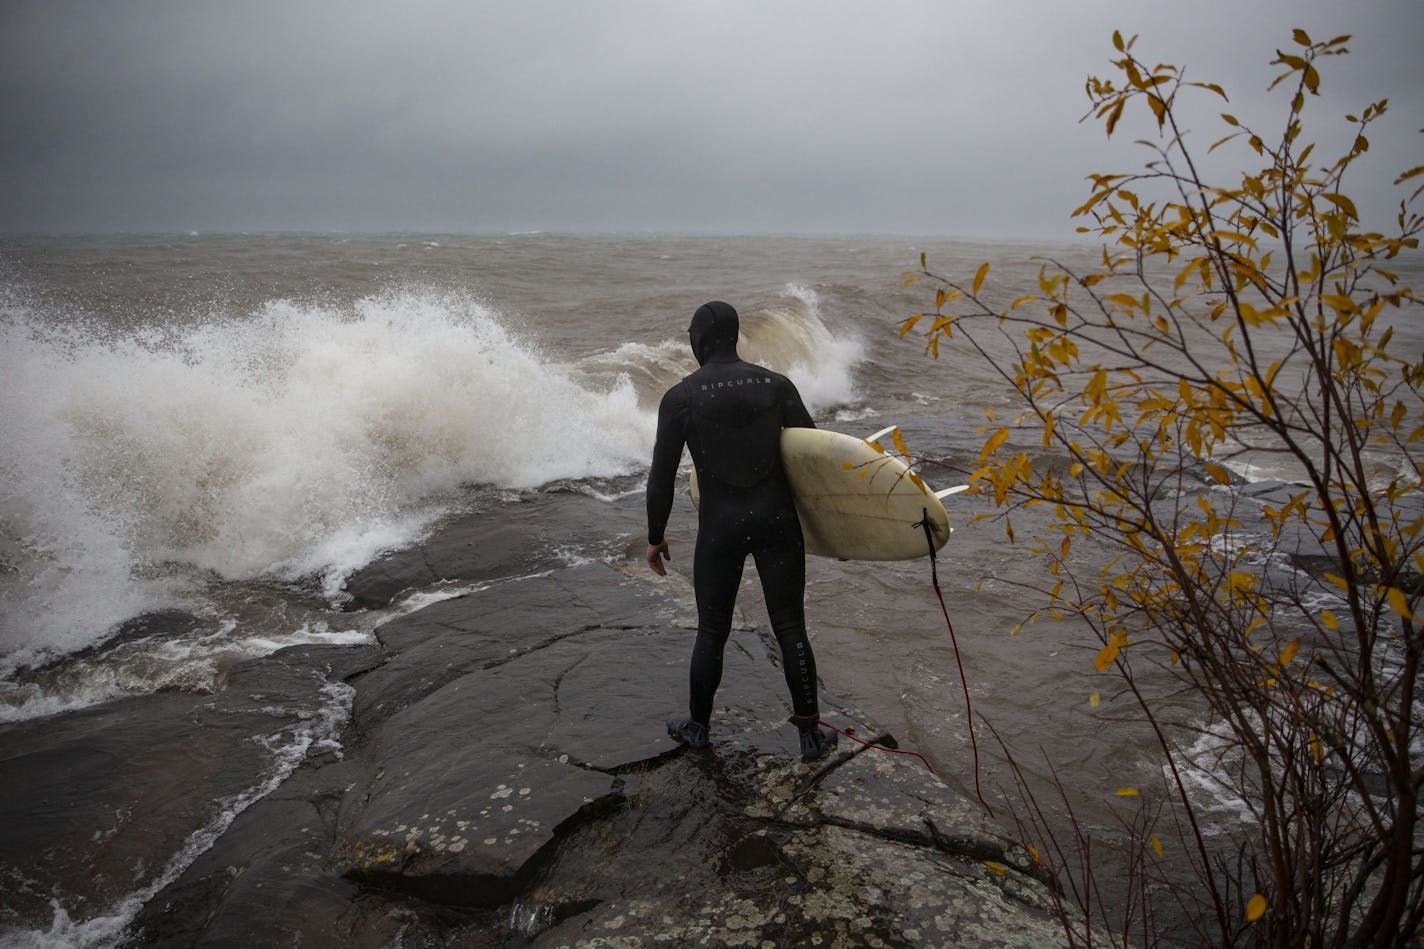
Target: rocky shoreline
x: 494, y: 772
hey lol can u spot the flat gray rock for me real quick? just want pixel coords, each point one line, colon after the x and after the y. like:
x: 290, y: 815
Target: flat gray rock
x: 505, y: 779
x: 96, y: 803
x: 435, y: 645
x: 538, y: 780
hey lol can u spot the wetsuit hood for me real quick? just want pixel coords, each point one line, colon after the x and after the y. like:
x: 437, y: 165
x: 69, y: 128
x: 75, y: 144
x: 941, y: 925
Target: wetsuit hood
x: 713, y: 332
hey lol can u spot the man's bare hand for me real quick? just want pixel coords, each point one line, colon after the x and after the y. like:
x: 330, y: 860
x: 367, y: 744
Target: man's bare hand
x: 657, y: 553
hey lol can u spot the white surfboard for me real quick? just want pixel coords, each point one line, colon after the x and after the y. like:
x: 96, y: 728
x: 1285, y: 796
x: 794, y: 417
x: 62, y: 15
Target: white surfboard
x: 856, y: 502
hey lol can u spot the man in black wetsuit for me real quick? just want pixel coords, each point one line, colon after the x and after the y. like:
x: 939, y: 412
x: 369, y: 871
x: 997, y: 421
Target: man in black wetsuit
x: 730, y: 415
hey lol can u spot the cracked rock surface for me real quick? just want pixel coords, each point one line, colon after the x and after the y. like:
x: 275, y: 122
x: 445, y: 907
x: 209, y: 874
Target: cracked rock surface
x: 500, y: 776
x: 507, y: 781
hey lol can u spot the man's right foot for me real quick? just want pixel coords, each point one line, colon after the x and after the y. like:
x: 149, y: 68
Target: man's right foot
x: 690, y: 733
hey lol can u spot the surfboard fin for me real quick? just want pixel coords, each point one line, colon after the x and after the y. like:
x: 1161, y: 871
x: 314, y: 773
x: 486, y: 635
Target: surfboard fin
x: 948, y: 491
x: 880, y: 434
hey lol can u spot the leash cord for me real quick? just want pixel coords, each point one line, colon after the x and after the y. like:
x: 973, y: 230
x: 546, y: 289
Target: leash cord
x: 964, y: 683
x: 876, y: 745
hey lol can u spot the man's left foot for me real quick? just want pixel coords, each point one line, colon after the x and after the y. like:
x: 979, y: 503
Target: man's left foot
x: 816, y: 743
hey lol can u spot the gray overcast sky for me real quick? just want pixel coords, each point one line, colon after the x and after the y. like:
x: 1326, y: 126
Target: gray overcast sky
x: 830, y: 116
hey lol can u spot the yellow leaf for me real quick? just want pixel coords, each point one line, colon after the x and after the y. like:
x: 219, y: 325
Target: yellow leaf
x: 1106, y: 655
x: 1400, y: 603
x: 1241, y: 580
x: 946, y: 296
x: 1256, y: 908
x: 1128, y: 792
x: 979, y: 276
x: 1329, y: 619
x: 1317, y: 748
x: 1339, y: 302
x: 1116, y: 114
x: 1218, y: 473
x: 1343, y: 203
x: 1097, y: 388
x: 1157, y: 847
x: 992, y: 445
x: 909, y: 324
x: 1094, y: 699
x: 998, y: 868
x: 1288, y: 653
x: 1158, y: 104
x: 898, y: 438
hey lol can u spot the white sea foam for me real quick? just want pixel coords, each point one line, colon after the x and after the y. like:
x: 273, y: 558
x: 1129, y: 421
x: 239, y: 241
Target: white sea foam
x: 299, y: 441
x: 420, y: 599
x: 1211, y: 767
x: 860, y: 413
x: 792, y: 338
x: 789, y: 336
x: 193, y: 664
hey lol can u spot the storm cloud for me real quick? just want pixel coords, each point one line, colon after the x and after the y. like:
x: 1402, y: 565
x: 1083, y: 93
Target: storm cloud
x: 695, y: 116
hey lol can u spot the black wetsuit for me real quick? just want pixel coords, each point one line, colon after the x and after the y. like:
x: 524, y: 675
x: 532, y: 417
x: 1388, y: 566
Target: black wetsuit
x: 730, y: 415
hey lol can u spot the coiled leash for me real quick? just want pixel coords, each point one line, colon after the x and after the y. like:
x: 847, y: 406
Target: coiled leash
x: 964, y: 683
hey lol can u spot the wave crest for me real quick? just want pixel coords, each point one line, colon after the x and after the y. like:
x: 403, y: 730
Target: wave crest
x: 300, y: 440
